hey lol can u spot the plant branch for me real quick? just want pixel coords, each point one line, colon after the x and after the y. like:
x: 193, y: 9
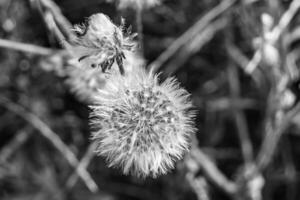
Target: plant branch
x: 83, y: 164
x: 52, y: 137
x: 239, y: 117
x: 272, y: 138
x: 55, y: 21
x: 19, y: 139
x: 139, y: 24
x: 275, y: 34
x: 28, y: 48
x: 192, y: 32
x: 193, y: 46
x: 213, y: 173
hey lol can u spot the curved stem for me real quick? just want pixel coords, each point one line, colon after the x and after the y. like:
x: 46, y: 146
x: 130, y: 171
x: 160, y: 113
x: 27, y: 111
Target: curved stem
x: 139, y: 24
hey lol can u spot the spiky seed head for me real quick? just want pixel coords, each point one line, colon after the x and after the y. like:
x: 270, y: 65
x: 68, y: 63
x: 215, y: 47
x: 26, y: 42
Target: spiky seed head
x: 99, y: 43
x: 85, y: 82
x: 136, y: 4
x: 142, y: 126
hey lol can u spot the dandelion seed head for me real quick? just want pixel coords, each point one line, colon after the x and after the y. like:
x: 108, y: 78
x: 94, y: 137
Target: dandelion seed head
x: 142, y: 126
x: 85, y: 82
x: 99, y: 43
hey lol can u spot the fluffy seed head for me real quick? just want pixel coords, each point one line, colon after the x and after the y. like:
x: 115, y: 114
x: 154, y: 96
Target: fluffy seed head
x: 85, y: 82
x: 100, y: 42
x: 140, y: 125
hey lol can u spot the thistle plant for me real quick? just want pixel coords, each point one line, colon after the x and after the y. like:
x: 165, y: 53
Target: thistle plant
x: 99, y: 43
x: 141, y: 126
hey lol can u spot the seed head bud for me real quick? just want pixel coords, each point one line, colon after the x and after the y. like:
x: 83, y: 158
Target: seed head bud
x: 142, y: 126
x: 99, y: 43
x: 85, y: 82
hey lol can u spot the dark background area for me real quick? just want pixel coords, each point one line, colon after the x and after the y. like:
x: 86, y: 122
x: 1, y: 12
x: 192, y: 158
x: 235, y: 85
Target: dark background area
x: 35, y: 169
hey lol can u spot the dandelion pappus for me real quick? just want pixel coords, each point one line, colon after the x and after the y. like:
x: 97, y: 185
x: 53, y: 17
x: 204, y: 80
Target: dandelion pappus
x: 100, y: 43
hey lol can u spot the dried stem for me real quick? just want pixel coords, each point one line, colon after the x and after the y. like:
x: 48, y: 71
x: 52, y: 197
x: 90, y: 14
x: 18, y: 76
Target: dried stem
x: 194, y: 45
x: 272, y: 138
x: 240, y: 59
x: 62, y: 23
x: 213, y: 173
x: 275, y: 33
x: 199, y: 185
x: 55, y: 21
x: 139, y: 24
x: 191, y: 33
x: 239, y: 117
x: 83, y: 164
x: 290, y: 170
x: 28, y: 48
x: 274, y: 131
x: 20, y: 138
x: 52, y: 137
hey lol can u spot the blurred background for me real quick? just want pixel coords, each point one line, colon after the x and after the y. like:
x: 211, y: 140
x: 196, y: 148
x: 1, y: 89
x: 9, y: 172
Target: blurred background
x: 238, y: 59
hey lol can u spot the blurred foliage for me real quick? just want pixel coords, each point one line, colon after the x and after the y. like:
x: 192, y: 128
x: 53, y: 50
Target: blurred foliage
x: 36, y: 170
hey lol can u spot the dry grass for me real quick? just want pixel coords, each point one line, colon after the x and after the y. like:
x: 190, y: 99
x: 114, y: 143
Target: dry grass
x: 238, y: 59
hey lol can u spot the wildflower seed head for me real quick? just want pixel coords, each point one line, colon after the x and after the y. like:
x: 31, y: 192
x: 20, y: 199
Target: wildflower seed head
x: 85, y: 82
x: 142, y: 126
x: 99, y: 43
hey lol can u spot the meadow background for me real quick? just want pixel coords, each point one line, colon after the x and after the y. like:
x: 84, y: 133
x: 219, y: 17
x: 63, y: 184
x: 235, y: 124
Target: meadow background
x: 238, y: 59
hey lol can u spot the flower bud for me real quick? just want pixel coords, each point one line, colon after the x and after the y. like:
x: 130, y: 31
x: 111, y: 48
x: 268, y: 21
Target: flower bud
x: 100, y: 43
x: 85, y: 82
